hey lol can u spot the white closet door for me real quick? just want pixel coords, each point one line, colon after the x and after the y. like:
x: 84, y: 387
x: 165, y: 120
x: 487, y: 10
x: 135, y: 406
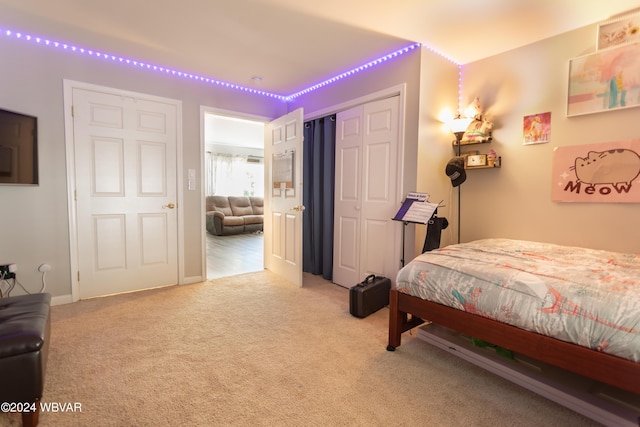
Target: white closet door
x: 348, y: 198
x: 379, y: 188
x: 365, y: 237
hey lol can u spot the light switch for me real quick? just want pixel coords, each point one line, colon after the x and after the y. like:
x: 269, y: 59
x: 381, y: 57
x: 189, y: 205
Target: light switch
x: 191, y: 180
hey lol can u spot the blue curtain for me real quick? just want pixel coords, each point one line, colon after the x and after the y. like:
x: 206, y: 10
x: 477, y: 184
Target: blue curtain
x: 317, y: 196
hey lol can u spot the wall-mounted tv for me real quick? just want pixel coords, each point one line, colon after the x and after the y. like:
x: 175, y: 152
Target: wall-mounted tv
x: 18, y: 148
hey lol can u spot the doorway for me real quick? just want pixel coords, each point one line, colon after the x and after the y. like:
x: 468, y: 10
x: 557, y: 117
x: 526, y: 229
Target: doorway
x: 233, y: 166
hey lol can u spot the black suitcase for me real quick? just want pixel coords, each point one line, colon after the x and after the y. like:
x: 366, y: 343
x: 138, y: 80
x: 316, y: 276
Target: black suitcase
x: 369, y: 296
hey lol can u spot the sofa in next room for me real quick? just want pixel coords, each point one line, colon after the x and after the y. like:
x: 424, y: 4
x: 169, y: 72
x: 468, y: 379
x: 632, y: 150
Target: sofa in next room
x: 227, y: 215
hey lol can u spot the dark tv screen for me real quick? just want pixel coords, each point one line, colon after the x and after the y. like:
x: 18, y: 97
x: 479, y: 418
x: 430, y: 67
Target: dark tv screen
x: 18, y: 148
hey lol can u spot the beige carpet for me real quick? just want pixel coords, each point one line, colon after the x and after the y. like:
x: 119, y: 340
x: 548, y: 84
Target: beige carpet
x: 253, y: 350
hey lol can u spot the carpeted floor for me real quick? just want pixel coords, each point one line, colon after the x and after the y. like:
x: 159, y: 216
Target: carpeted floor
x: 252, y: 350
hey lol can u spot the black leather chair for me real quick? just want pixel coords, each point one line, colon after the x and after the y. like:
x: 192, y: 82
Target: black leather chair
x: 25, y: 325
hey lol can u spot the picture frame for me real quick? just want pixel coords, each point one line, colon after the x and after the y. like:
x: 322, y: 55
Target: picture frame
x: 536, y: 128
x: 618, y: 31
x: 476, y: 160
x: 602, y: 81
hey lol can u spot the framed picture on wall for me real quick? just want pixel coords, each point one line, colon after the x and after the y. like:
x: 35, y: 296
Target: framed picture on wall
x: 618, y: 31
x: 536, y: 128
x: 605, y: 80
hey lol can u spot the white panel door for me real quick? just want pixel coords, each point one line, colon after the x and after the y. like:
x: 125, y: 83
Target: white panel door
x: 283, y: 196
x: 365, y: 237
x: 125, y: 162
x: 379, y: 195
x: 348, y: 198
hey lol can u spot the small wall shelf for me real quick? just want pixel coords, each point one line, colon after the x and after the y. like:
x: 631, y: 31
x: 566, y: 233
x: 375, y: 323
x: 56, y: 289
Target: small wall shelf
x: 458, y: 148
x: 456, y: 145
x: 497, y: 164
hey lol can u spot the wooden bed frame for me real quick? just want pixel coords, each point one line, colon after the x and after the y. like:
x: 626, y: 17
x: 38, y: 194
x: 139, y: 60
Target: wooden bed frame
x: 406, y: 312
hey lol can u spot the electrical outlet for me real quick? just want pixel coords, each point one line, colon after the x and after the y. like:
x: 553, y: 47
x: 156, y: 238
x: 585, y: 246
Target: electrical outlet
x: 8, y: 271
x: 44, y: 268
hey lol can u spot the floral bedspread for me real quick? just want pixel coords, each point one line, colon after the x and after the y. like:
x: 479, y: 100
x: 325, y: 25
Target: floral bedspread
x: 584, y: 296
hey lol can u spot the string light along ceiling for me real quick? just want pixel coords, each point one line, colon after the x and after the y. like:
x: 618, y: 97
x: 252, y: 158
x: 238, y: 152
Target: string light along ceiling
x: 185, y: 75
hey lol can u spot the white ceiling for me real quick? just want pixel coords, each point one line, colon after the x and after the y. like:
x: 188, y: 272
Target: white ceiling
x: 293, y: 44
x: 223, y: 130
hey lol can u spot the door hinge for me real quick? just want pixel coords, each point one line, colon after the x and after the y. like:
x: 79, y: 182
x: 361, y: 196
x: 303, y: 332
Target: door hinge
x: 73, y: 111
x: 78, y: 275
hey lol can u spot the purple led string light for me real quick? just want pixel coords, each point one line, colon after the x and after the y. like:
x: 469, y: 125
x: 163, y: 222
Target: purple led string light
x: 355, y: 70
x: 139, y: 64
x: 144, y: 65
x: 460, y: 74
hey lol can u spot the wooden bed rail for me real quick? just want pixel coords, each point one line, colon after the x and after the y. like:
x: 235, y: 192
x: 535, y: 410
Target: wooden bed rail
x: 406, y: 311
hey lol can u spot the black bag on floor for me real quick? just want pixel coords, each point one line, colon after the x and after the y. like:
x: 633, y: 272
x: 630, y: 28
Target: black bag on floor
x: 369, y: 296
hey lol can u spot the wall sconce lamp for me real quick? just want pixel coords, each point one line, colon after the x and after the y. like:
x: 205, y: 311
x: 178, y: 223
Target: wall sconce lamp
x: 460, y: 122
x: 458, y: 126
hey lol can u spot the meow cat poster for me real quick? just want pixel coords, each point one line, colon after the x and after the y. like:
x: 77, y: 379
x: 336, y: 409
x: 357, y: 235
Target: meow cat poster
x: 599, y: 173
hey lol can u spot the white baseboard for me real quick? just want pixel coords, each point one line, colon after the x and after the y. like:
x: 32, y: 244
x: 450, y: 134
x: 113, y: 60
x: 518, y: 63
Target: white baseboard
x: 68, y: 299
x: 193, y: 279
x: 62, y: 299
x: 600, y: 402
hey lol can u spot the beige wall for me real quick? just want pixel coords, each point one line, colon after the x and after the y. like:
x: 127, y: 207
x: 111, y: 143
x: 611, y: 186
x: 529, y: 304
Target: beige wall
x: 438, y: 95
x: 515, y: 201
x: 35, y: 219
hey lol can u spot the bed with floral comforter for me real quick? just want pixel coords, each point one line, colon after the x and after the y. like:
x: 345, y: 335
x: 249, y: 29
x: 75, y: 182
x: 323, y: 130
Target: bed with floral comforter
x: 583, y: 296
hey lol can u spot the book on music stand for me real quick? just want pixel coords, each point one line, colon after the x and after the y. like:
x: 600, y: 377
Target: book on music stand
x: 416, y: 208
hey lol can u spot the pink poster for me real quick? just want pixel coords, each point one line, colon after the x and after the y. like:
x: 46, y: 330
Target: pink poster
x: 537, y: 129
x: 600, y: 173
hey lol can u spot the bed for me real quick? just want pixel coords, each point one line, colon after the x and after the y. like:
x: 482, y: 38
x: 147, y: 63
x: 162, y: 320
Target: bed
x: 574, y: 308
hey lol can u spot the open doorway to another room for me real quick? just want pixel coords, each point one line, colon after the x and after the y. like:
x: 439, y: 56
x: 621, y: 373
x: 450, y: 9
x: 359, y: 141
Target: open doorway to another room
x: 234, y: 188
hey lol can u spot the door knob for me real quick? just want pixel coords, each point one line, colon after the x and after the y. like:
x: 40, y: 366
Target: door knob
x: 298, y: 208
x: 170, y: 206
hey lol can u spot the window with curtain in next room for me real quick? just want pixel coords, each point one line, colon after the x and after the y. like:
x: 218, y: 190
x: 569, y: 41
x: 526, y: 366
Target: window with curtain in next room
x: 233, y: 175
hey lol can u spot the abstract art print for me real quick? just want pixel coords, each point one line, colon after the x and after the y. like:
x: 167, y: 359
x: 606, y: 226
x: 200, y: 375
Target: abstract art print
x: 605, y: 80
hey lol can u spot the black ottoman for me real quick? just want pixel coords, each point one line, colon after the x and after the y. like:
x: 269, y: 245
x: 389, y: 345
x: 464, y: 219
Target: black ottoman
x: 25, y: 324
